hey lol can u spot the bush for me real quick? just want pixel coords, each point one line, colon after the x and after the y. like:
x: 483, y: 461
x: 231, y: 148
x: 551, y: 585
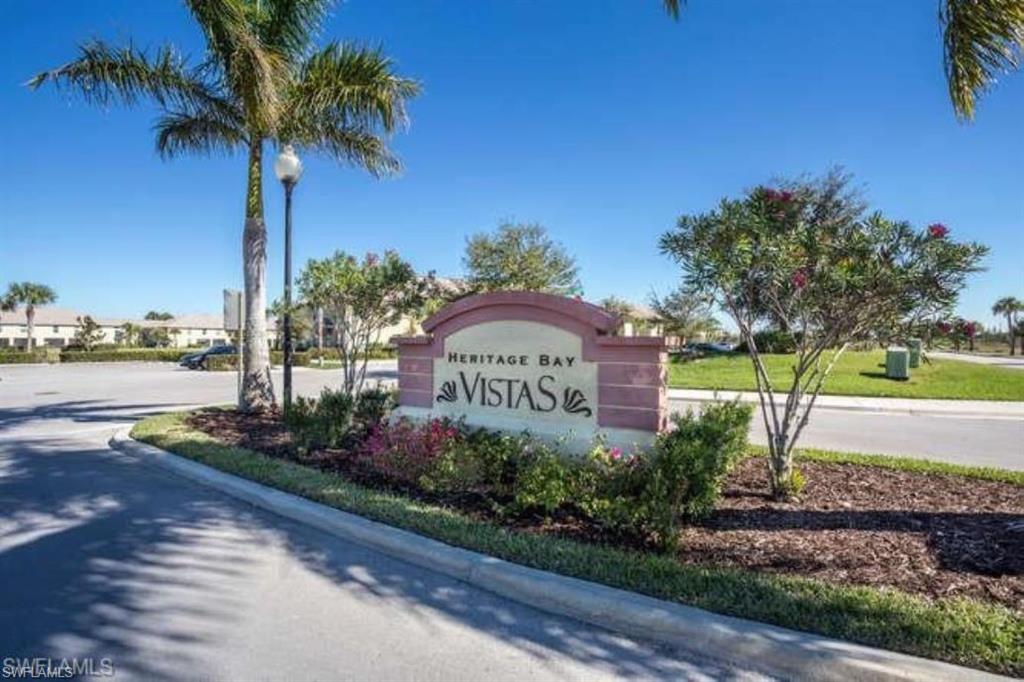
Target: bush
x: 223, y: 363
x: 680, y: 479
x: 126, y: 355
x: 378, y: 351
x: 22, y: 357
x: 546, y: 481
x: 771, y: 341
x: 326, y: 422
x: 406, y: 451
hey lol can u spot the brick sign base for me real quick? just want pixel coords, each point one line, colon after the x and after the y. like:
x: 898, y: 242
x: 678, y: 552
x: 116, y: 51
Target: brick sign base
x: 520, y: 361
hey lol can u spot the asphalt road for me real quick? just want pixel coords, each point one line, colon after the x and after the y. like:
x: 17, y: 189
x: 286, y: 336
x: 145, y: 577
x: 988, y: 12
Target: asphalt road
x: 102, y: 557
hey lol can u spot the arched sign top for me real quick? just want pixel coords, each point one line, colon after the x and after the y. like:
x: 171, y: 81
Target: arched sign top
x: 523, y: 361
x: 581, y: 312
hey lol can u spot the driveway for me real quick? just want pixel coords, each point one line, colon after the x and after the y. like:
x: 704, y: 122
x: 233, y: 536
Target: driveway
x: 102, y: 557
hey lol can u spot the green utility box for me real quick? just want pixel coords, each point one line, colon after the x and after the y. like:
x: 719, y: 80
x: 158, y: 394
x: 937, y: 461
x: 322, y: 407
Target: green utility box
x: 897, y: 363
x: 914, y: 346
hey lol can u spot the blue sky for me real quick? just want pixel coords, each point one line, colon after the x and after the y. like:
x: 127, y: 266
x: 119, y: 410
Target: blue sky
x: 601, y: 119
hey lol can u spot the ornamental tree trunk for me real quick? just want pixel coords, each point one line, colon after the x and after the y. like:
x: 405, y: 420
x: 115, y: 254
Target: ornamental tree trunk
x: 257, y: 387
x: 30, y: 323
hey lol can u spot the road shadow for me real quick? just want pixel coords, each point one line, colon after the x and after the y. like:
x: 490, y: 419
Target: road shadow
x: 102, y: 556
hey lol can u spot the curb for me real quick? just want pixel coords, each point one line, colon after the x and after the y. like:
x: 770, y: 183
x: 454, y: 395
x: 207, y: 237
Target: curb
x: 770, y: 649
x: 993, y: 411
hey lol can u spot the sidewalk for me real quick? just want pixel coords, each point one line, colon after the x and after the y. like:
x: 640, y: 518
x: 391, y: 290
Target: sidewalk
x: 1007, y: 361
x: 1002, y: 409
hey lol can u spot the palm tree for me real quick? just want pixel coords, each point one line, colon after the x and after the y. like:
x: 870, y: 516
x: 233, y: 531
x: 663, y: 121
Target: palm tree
x: 29, y: 294
x: 1009, y: 306
x: 981, y: 40
x: 261, y: 80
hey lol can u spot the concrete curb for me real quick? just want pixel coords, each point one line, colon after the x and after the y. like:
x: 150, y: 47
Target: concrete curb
x: 995, y: 409
x: 773, y: 650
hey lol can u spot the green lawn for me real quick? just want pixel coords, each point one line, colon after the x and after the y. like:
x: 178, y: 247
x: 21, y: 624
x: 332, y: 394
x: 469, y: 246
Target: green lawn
x: 959, y: 630
x: 858, y: 373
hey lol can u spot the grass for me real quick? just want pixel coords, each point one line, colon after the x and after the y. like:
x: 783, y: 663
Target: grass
x: 963, y: 631
x: 858, y: 373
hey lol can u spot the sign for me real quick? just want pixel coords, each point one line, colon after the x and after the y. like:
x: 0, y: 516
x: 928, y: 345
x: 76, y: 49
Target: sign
x: 521, y: 361
x: 232, y: 310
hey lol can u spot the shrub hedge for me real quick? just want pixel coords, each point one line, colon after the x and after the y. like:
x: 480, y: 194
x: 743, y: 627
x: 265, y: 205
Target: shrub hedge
x: 20, y: 357
x: 223, y: 363
x: 127, y: 355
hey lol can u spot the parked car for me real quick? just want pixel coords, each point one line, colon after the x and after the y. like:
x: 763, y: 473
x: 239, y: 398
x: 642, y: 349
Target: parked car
x: 198, y: 360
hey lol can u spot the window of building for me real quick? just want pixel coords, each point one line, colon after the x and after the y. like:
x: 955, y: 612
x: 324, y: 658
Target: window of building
x: 56, y: 329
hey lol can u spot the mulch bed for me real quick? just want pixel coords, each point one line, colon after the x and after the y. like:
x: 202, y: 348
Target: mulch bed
x: 935, y: 535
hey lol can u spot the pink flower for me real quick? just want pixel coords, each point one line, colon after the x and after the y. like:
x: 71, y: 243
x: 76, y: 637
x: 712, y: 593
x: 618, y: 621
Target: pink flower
x: 799, y: 279
x: 937, y: 231
x: 943, y: 327
x: 372, y: 259
x: 578, y: 298
x: 785, y: 197
x: 615, y: 454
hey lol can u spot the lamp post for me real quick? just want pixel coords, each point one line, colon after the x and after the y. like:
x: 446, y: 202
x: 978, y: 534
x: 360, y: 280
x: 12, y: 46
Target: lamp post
x: 288, y: 168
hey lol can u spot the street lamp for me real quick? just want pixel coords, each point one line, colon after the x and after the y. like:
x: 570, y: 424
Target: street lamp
x: 288, y: 169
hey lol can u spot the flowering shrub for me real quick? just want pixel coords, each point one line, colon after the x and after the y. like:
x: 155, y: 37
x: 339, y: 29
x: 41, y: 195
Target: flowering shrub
x: 937, y: 231
x: 406, y: 451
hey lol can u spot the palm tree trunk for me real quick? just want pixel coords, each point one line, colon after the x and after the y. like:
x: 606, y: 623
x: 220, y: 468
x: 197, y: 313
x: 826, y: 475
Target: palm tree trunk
x: 1009, y: 326
x: 257, y: 388
x: 30, y: 323
x: 320, y: 332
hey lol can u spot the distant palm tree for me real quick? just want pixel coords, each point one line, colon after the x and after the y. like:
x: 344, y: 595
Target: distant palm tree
x: 981, y: 39
x: 1009, y: 306
x: 29, y: 294
x: 260, y: 80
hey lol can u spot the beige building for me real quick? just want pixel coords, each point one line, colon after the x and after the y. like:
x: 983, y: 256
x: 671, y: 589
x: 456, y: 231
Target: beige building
x: 56, y: 328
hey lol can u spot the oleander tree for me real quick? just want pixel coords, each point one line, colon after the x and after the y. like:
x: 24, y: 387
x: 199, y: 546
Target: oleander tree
x: 30, y: 295
x: 260, y: 81
x: 363, y: 298
x: 807, y: 252
x: 982, y: 39
x: 1009, y: 307
x: 520, y: 257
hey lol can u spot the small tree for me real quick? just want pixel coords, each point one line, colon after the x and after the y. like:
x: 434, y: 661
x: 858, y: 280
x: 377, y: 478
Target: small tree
x: 363, y: 298
x: 158, y: 315
x: 29, y: 294
x: 130, y: 334
x: 618, y: 306
x: 1009, y: 306
x: 683, y: 314
x: 520, y: 257
x: 808, y: 254
x: 299, y: 321
x: 89, y: 333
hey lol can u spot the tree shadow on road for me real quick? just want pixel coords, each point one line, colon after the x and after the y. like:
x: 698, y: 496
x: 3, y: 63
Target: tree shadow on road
x: 103, y: 556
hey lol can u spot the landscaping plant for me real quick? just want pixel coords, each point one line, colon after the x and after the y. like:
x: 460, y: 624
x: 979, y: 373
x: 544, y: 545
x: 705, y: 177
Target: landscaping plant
x: 363, y: 298
x: 260, y: 79
x: 808, y: 258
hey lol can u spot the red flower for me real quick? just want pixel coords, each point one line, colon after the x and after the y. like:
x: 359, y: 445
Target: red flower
x: 937, y: 231
x: 944, y: 327
x: 786, y: 197
x: 799, y: 279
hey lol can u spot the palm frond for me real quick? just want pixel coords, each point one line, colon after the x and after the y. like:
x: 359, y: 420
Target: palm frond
x: 255, y: 74
x: 356, y: 87
x: 289, y: 26
x: 103, y: 74
x: 982, y: 39
x: 354, y: 146
x: 179, y: 132
x: 673, y: 7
